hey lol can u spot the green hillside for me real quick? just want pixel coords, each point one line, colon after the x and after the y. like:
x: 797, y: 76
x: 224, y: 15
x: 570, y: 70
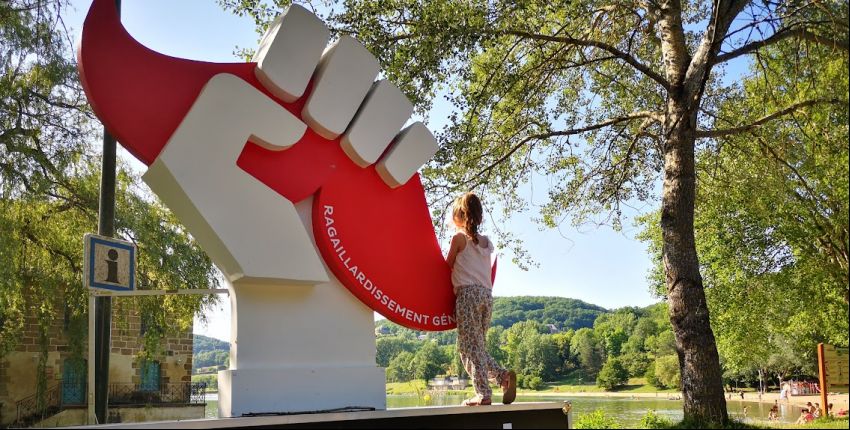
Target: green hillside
x: 209, y: 352
x: 564, y: 313
x: 205, y: 344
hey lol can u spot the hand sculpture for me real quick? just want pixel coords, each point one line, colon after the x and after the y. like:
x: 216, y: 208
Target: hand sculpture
x: 232, y: 147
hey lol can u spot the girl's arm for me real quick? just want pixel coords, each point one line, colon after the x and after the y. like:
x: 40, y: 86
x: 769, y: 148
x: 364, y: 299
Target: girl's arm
x: 458, y: 243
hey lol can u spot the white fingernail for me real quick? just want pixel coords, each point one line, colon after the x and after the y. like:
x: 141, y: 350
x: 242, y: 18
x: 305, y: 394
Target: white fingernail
x: 343, y: 78
x: 413, y: 147
x: 381, y: 116
x: 289, y: 52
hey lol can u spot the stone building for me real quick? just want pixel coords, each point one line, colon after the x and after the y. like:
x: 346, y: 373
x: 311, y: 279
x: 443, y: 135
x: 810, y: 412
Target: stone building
x: 139, y: 389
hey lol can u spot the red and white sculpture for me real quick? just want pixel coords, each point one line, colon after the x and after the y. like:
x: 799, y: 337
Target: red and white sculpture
x: 294, y: 174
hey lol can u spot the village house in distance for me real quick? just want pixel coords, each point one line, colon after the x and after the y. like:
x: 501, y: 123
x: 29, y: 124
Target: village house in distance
x: 139, y: 390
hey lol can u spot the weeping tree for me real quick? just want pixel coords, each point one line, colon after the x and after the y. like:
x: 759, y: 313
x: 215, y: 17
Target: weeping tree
x: 602, y: 99
x: 49, y: 180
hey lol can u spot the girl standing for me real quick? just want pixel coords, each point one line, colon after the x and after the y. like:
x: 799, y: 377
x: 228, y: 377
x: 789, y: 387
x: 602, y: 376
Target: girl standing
x: 469, y: 257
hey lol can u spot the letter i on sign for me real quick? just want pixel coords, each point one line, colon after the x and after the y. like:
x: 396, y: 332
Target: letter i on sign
x: 112, y: 266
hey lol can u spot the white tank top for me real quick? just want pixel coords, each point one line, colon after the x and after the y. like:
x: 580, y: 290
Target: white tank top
x: 472, y: 264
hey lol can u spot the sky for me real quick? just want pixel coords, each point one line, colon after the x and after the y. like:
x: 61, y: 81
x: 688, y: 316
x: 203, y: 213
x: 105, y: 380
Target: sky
x: 595, y: 264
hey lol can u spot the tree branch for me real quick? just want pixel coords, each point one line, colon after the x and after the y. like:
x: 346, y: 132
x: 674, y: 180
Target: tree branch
x: 723, y: 14
x: 655, y: 116
x: 674, y: 49
x: 626, y: 57
x: 761, y: 121
x: 780, y: 35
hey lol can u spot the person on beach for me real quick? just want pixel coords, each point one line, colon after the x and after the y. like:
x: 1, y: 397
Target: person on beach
x: 805, y: 417
x: 469, y: 258
x: 773, y: 415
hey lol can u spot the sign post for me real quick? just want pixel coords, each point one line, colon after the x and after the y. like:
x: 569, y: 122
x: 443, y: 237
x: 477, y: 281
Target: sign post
x: 824, y: 386
x: 109, y: 270
x: 834, y: 371
x: 108, y: 265
x: 100, y: 309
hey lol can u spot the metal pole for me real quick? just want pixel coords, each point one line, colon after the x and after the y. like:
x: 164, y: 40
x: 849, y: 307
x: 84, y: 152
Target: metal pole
x: 103, y: 305
x: 91, y: 418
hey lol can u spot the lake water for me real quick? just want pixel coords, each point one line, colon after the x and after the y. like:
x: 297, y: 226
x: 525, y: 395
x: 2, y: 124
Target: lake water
x: 628, y: 412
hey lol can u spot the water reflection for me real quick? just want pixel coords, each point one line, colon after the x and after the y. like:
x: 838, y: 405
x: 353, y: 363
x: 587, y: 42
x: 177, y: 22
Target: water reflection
x: 626, y: 410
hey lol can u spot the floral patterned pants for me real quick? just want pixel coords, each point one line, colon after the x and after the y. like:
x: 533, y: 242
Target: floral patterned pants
x: 472, y: 312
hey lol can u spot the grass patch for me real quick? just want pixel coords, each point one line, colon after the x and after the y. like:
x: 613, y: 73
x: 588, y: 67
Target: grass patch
x: 400, y: 388
x: 570, y: 385
x: 410, y: 388
x: 567, y: 385
x: 557, y: 387
x: 826, y: 423
x: 823, y: 423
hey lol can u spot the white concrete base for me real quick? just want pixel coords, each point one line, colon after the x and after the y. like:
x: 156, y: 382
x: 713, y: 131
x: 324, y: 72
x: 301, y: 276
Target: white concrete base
x: 298, y: 348
x: 254, y: 391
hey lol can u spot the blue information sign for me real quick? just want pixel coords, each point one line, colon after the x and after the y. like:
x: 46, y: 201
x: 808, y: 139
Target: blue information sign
x: 109, y: 264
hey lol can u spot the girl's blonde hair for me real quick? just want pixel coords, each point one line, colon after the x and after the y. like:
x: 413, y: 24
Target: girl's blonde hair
x: 469, y: 214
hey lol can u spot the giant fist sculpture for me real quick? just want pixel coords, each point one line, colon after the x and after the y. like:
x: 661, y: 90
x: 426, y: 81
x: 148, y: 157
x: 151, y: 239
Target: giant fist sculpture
x: 207, y: 126
x: 267, y: 163
x: 295, y: 176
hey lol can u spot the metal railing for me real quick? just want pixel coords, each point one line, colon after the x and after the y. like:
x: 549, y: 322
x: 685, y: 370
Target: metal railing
x: 73, y: 394
x: 35, y: 408
x: 136, y: 394
x: 38, y: 406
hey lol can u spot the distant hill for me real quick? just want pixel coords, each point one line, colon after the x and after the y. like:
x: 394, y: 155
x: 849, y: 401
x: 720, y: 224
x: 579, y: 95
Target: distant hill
x: 562, y: 312
x: 206, y: 344
x: 209, y: 354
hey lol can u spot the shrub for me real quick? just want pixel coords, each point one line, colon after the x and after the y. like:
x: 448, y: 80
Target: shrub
x: 652, y: 421
x: 595, y: 420
x: 534, y: 382
x: 612, y: 375
x: 401, y: 368
x: 210, y: 379
x: 650, y: 377
x: 636, y: 363
x: 667, y: 371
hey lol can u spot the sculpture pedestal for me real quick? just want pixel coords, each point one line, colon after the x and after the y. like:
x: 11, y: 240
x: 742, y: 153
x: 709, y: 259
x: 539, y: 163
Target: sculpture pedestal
x: 298, y: 349
x: 304, y: 389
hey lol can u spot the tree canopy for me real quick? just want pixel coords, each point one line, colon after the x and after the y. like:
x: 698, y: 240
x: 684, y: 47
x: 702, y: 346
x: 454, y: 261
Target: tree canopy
x: 49, y: 180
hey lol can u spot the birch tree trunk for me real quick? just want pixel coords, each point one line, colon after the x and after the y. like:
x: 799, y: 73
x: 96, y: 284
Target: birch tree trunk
x: 702, y: 383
